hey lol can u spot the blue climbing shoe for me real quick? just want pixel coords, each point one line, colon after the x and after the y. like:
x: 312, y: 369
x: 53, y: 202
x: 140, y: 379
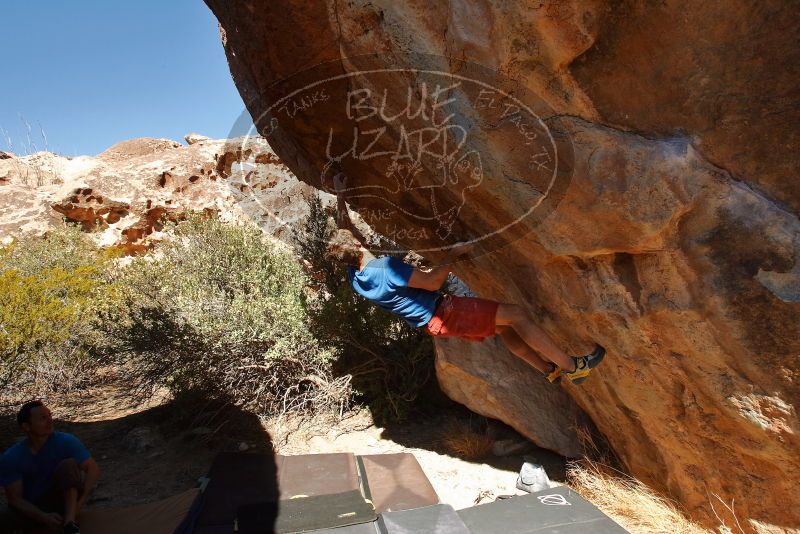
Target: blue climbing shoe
x: 585, y: 364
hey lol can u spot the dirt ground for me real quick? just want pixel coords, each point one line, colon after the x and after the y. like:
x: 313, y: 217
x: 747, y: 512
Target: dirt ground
x: 148, y: 450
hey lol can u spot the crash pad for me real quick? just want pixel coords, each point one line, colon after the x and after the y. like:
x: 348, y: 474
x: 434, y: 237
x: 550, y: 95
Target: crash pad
x: 395, y: 482
x: 437, y: 519
x: 551, y: 511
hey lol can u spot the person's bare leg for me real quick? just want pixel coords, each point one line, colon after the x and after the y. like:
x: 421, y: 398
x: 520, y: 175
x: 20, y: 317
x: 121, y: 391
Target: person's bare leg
x: 67, y: 478
x: 70, y: 505
x: 519, y: 348
x: 536, y: 338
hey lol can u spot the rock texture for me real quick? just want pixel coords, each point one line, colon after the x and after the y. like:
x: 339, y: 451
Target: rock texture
x: 496, y: 384
x: 126, y: 193
x: 672, y: 237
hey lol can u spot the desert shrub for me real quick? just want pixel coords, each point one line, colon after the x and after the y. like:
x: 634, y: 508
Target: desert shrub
x: 222, y: 311
x: 390, y: 361
x: 466, y: 440
x: 54, y: 293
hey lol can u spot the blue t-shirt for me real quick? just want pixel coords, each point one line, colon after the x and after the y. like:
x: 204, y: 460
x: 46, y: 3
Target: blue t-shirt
x: 384, y: 281
x: 36, y: 470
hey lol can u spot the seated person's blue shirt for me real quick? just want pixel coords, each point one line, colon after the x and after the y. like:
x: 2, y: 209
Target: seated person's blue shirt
x: 36, y: 470
x: 385, y: 282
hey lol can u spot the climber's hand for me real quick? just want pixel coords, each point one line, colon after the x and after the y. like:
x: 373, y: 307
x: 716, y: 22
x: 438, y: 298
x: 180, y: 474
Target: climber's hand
x: 461, y: 248
x: 339, y: 182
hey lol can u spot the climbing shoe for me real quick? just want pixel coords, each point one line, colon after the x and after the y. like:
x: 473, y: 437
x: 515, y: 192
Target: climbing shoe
x: 585, y: 364
x: 554, y: 376
x: 72, y: 528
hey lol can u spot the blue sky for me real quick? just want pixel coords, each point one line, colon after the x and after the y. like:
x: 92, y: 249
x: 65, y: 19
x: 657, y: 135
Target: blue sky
x: 93, y: 73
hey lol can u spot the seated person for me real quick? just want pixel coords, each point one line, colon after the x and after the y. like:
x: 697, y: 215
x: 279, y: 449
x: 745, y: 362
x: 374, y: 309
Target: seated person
x: 48, y: 475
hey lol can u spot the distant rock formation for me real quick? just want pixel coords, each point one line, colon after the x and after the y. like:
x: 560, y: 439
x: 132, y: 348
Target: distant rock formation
x: 126, y: 193
x: 192, y: 138
x: 671, y: 237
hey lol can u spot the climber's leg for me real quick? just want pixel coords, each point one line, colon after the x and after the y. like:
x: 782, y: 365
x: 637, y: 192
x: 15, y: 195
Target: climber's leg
x: 518, y: 347
x: 536, y: 338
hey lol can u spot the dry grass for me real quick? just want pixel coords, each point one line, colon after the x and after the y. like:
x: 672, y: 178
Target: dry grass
x: 461, y: 440
x: 629, y: 502
x: 634, y: 505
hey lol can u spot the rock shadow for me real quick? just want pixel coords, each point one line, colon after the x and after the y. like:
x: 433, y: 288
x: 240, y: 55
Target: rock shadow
x: 437, y: 421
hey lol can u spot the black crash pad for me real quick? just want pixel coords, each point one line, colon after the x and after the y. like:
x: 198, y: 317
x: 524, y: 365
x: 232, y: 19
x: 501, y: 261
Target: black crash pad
x: 305, y: 514
x: 238, y: 479
x: 551, y: 511
x: 217, y: 529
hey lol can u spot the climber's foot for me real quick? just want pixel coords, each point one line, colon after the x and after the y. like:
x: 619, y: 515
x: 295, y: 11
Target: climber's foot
x: 585, y: 364
x: 554, y: 376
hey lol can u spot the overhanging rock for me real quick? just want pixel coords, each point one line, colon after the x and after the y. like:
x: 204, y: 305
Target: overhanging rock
x: 670, y: 234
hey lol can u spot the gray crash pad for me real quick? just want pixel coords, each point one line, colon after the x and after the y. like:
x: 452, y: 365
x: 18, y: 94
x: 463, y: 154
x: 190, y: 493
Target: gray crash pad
x: 363, y: 528
x: 438, y: 519
x: 551, y: 511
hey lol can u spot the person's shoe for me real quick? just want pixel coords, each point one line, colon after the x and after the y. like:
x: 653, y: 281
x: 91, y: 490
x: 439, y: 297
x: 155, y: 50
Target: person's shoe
x: 596, y: 356
x: 585, y: 364
x: 72, y: 528
x: 554, y: 376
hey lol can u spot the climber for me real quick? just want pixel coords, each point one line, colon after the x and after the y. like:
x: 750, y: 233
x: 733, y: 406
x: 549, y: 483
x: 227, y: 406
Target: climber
x: 413, y: 294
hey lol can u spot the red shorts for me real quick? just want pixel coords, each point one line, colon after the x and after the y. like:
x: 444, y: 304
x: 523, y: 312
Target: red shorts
x: 465, y: 317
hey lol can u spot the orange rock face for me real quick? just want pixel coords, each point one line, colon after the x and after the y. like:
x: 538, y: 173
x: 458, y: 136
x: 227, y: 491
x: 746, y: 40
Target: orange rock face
x: 668, y: 232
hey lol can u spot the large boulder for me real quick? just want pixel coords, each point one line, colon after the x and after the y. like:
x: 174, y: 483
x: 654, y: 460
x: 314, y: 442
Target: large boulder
x: 627, y: 170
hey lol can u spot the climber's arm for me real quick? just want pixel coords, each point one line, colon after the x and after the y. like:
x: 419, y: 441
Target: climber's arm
x: 343, y: 220
x: 432, y: 279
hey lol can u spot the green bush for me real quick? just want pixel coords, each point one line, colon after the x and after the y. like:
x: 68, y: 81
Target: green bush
x: 215, y: 310
x: 54, y: 292
x: 390, y: 361
x: 222, y: 311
